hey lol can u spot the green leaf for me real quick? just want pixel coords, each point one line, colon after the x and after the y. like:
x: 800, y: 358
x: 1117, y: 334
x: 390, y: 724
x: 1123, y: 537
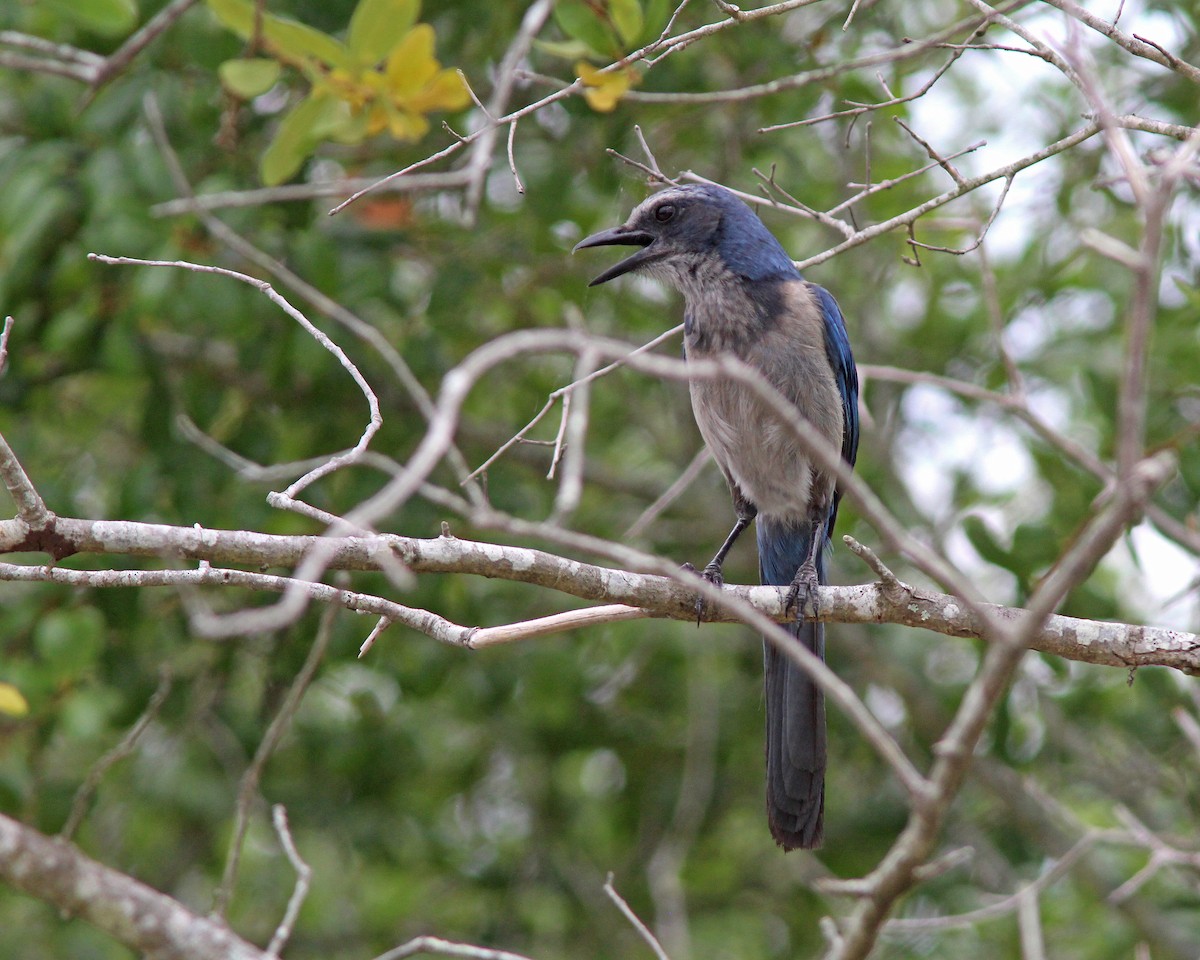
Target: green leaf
x: 627, y: 18
x: 249, y: 78
x: 567, y: 49
x: 290, y: 39
x: 581, y: 22
x: 107, y: 17
x: 348, y: 127
x: 235, y: 15
x: 298, y: 41
x: 301, y: 129
x: 376, y: 26
x: 983, y: 540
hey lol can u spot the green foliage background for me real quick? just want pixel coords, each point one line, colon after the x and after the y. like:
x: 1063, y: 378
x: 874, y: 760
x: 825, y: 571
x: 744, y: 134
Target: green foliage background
x: 485, y: 797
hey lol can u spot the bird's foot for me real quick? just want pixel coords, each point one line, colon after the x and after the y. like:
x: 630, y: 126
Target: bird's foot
x: 802, y: 596
x: 711, y: 573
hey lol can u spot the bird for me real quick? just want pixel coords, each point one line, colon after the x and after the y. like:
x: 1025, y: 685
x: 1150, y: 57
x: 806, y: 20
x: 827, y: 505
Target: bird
x: 744, y: 297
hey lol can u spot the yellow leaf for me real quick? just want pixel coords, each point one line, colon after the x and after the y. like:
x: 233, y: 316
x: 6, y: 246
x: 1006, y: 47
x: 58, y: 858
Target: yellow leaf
x: 446, y: 91
x: 12, y: 702
x: 406, y: 125
x: 376, y: 25
x: 377, y: 119
x: 411, y: 63
x: 603, y: 91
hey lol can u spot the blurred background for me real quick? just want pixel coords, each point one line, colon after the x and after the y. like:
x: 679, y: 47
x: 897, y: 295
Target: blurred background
x: 485, y: 797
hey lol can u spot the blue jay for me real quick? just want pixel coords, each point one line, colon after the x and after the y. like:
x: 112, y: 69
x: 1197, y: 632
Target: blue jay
x: 744, y: 296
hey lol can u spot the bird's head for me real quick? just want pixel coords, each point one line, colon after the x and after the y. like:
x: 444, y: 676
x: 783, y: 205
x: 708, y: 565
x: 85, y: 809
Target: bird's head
x: 690, y: 230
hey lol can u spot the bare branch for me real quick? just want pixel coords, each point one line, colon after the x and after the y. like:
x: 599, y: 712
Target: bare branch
x: 146, y: 921
x: 639, y: 595
x: 896, y: 872
x: 1010, y: 904
x: 1134, y: 44
x: 150, y: 31
x: 4, y: 335
x: 248, y: 788
x: 303, y: 878
x: 671, y: 494
x: 634, y: 920
x: 447, y: 948
x: 123, y: 748
x: 334, y: 463
x: 31, y: 509
x: 366, y: 332
x: 292, y: 192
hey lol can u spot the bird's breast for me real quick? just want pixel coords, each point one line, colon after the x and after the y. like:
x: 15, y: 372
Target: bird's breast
x: 754, y: 447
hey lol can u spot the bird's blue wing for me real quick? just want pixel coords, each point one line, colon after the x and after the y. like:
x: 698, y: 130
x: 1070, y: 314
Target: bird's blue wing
x: 837, y: 348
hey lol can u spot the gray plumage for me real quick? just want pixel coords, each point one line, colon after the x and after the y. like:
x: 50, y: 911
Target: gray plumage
x: 744, y: 297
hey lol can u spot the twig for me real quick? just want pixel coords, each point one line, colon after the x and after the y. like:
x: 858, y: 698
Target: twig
x: 983, y: 231
x: 4, y: 335
x: 447, y: 948
x: 376, y: 632
x: 299, y: 892
x: 670, y: 495
x: 845, y: 229
x: 573, y: 436
x: 1136, y: 45
x: 556, y: 623
x: 861, y: 108
x: 31, y: 508
x: 1029, y: 924
x: 971, y: 183
x: 123, y: 748
x: 512, y: 162
x: 634, y: 920
x: 481, y: 151
x: 889, y: 581
x: 869, y: 189
x: 562, y: 392
x: 150, y: 31
x: 650, y: 158
x: 934, y: 155
x: 1007, y: 905
x: 248, y: 788
x: 653, y: 175
x: 376, y: 417
x: 292, y: 192
x: 484, y: 137
x: 895, y: 873
x: 366, y: 332
x: 422, y: 621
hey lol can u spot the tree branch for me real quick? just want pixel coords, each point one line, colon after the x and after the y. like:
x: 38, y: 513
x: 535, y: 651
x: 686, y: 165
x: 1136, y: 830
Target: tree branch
x: 635, y: 594
x: 136, y: 915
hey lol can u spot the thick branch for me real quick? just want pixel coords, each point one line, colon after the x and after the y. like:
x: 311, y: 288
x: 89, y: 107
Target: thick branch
x: 146, y: 921
x: 1088, y: 641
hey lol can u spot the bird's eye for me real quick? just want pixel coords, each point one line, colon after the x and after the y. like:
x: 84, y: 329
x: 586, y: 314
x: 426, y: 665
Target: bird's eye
x: 664, y: 212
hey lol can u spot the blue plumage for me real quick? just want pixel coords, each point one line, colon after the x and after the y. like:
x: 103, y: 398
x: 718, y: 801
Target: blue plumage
x: 745, y: 297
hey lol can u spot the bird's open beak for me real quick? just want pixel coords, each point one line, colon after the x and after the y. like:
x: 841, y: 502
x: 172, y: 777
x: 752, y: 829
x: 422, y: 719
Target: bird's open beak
x: 619, y: 236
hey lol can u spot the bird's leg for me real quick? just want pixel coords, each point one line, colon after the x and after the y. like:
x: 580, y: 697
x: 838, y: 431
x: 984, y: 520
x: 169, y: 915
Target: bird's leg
x: 746, y: 511
x: 802, y: 595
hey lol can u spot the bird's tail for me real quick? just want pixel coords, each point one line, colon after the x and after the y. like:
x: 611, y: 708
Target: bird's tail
x: 795, y: 704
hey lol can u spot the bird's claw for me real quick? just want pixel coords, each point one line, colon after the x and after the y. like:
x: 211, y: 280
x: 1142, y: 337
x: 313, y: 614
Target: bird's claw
x: 711, y: 573
x: 802, y: 596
